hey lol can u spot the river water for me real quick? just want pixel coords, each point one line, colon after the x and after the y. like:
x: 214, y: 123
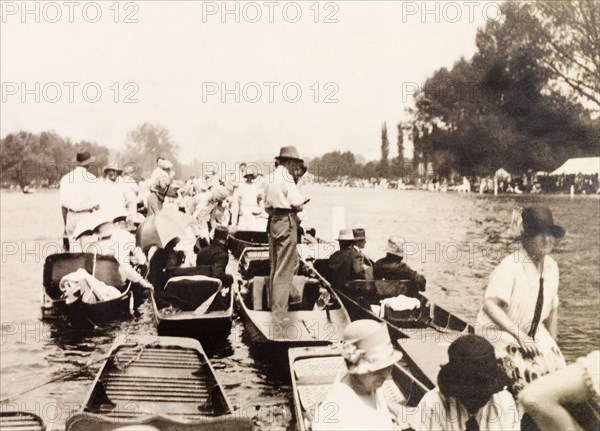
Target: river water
x: 455, y: 241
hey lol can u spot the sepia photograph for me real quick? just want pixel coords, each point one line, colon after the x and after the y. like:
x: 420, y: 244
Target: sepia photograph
x: 300, y: 215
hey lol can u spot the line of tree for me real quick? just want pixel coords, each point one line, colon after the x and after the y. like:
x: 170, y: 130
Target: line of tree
x: 517, y: 103
x: 42, y: 159
x: 338, y: 164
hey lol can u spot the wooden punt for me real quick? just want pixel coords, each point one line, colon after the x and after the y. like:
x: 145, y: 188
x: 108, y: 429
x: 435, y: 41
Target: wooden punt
x: 301, y: 325
x: 21, y: 421
x: 313, y: 370
x: 104, y: 268
x: 186, y: 290
x: 156, y: 380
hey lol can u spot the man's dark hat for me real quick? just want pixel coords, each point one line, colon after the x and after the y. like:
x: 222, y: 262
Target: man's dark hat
x: 84, y: 158
x: 221, y: 233
x: 289, y: 153
x: 538, y: 220
x: 359, y: 233
x: 473, y: 370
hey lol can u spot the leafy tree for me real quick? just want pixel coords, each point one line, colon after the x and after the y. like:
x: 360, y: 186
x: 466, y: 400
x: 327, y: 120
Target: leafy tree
x: 570, y: 32
x: 498, y: 109
x: 383, y: 168
x: 399, y: 160
x: 146, y: 143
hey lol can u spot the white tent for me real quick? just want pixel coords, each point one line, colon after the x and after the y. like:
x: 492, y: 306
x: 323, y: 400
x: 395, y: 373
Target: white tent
x: 582, y: 165
x: 502, y: 173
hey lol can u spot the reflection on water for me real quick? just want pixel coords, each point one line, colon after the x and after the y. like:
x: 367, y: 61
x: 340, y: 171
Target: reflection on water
x: 456, y: 241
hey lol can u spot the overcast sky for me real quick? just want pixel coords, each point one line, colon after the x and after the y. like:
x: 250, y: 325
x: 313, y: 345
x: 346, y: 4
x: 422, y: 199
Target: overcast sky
x: 177, y: 54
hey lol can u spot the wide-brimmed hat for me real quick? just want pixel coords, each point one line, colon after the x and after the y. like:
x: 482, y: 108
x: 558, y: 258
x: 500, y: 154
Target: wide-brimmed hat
x: 84, y: 158
x: 345, y: 235
x: 366, y: 347
x: 359, y: 233
x: 289, y: 152
x: 473, y: 370
x: 251, y: 171
x: 113, y: 166
x: 395, y: 245
x: 95, y: 219
x: 538, y: 220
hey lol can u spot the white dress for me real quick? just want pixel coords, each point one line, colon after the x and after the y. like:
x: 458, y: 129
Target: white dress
x: 515, y: 282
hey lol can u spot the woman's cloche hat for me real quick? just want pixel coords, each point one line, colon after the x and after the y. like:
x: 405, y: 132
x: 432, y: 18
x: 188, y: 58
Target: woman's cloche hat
x: 366, y: 347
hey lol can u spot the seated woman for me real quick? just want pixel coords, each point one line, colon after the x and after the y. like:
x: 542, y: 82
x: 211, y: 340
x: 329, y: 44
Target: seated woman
x: 519, y: 313
x: 472, y: 392
x: 355, y: 401
x: 544, y: 399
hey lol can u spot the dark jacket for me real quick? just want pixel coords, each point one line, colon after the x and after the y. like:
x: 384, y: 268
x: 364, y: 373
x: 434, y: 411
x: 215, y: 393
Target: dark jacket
x: 391, y: 267
x: 215, y: 255
x: 161, y: 259
x: 345, y: 265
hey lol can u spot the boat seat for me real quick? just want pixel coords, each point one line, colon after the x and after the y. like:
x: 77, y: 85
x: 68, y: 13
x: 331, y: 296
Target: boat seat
x: 176, y: 271
x: 187, y: 292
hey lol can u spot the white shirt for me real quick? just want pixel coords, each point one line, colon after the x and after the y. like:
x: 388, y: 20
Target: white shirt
x: 437, y: 412
x: 78, y: 190
x: 111, y: 196
x: 281, y: 191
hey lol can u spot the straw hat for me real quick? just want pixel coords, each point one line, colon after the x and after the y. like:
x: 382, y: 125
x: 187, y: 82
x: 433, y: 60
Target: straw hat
x: 251, y: 171
x: 395, y: 245
x: 346, y: 235
x: 290, y: 153
x: 366, y: 347
x: 113, y: 166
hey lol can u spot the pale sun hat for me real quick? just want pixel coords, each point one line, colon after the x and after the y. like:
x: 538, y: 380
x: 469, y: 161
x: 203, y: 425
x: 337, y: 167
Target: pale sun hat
x: 366, y: 347
x: 395, y: 245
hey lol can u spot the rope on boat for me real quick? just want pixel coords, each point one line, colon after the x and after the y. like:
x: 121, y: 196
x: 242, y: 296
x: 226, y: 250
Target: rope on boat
x: 123, y: 367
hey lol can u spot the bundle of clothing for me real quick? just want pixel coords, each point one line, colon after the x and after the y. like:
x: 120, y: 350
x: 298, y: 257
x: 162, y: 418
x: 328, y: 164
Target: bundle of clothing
x: 81, y: 284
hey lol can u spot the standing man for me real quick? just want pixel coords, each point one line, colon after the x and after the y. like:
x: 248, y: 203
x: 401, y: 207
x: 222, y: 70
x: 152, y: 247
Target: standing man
x: 282, y: 202
x: 78, y: 194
